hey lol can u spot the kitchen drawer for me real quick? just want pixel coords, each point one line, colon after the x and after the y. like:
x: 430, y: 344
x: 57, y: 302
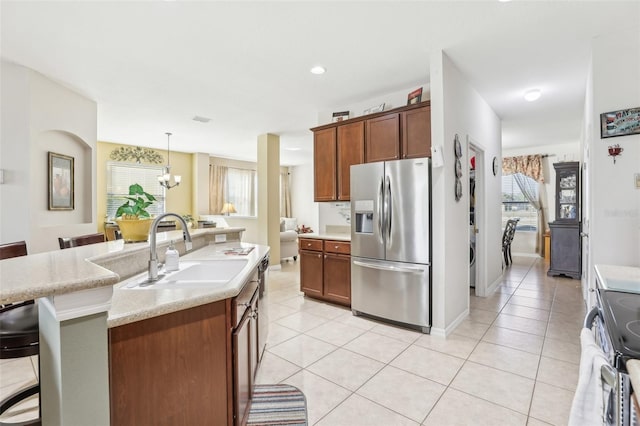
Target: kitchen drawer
x: 342, y: 247
x: 243, y: 300
x: 310, y: 244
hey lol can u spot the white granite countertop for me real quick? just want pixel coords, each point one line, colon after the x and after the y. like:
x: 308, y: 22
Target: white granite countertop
x: 333, y: 237
x: 135, y: 304
x: 86, y: 267
x: 614, y: 277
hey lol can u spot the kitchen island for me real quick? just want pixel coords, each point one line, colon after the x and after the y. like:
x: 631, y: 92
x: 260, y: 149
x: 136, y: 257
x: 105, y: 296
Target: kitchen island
x: 74, y: 289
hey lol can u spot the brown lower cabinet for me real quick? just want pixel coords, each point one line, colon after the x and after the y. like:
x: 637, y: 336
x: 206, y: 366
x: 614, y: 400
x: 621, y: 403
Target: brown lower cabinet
x: 325, y: 270
x: 195, y: 366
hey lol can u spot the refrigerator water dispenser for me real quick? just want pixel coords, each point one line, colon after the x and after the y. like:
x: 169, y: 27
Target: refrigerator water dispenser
x: 364, y: 216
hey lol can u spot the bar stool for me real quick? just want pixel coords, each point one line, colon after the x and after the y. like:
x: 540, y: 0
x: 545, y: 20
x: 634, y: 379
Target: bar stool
x: 18, y: 336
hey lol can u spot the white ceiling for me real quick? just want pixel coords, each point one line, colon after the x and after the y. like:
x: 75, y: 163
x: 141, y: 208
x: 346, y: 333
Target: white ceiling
x: 152, y: 66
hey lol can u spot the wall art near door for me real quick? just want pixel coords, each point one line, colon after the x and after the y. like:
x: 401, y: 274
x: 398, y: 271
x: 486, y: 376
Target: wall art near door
x: 61, y: 196
x: 620, y: 123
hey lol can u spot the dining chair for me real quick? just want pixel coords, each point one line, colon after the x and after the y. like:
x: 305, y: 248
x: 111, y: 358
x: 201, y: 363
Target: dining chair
x: 507, y: 239
x: 81, y: 240
x: 19, y: 337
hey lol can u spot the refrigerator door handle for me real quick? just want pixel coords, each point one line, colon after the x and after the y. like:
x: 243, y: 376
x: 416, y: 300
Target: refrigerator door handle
x: 379, y: 207
x: 388, y: 212
x: 389, y: 268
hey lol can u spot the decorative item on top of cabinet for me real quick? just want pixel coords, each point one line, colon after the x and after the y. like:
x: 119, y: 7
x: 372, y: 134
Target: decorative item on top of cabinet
x: 325, y: 270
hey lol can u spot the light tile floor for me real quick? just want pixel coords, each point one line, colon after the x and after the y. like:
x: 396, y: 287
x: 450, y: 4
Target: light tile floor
x: 513, y: 361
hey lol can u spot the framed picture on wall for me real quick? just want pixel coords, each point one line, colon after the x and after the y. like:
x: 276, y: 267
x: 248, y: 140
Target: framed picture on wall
x: 61, y: 196
x: 620, y: 123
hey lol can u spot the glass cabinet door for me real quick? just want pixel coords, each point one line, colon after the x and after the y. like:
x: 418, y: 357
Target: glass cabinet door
x: 567, y: 191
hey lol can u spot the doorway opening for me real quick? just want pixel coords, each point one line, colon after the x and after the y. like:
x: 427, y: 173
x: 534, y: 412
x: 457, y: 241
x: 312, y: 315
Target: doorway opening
x: 477, y: 217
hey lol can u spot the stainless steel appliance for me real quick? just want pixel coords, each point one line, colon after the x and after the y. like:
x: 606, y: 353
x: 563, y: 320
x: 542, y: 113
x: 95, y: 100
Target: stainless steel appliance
x: 391, y: 241
x: 616, y: 327
x: 263, y: 303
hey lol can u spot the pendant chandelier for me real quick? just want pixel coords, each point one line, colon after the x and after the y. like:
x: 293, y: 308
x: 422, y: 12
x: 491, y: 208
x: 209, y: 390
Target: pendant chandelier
x: 165, y: 179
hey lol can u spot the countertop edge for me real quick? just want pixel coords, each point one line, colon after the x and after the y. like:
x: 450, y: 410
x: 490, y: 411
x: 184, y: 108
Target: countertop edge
x: 140, y: 301
x: 333, y: 237
x: 79, y: 268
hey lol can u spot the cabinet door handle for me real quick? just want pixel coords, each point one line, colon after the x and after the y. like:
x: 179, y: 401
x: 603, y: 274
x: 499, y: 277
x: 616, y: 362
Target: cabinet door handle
x: 336, y: 247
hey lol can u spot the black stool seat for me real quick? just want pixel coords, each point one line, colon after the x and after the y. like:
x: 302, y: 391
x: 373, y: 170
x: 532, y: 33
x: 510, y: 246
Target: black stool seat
x: 19, y: 331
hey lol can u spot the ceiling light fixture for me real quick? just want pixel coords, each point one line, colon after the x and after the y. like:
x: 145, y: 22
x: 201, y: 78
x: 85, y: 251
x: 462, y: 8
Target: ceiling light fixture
x: 318, y: 70
x: 532, y: 95
x: 201, y: 119
x: 165, y: 179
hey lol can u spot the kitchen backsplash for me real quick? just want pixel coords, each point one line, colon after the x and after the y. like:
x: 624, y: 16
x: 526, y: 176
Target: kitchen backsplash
x: 334, y: 215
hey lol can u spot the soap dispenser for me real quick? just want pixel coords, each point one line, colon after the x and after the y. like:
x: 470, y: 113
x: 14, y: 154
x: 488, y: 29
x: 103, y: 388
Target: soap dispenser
x: 172, y: 259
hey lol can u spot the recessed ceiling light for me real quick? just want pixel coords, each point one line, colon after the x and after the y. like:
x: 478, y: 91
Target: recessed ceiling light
x: 201, y: 119
x: 532, y: 95
x: 318, y: 70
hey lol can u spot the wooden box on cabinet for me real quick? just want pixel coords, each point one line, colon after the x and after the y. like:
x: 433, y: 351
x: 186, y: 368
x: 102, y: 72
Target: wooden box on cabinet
x: 325, y: 270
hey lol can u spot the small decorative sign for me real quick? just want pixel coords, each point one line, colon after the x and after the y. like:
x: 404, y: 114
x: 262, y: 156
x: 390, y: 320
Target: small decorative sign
x: 620, y: 123
x: 414, y: 97
x: 371, y: 110
x: 340, y: 116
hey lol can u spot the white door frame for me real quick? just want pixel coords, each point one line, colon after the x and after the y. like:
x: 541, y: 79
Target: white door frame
x: 480, y: 216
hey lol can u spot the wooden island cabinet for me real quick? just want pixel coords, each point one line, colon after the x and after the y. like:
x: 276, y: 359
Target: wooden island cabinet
x: 400, y: 133
x: 194, y: 366
x: 325, y: 270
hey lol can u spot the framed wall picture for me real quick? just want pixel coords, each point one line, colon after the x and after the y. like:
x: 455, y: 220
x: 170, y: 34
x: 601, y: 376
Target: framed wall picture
x: 61, y: 195
x: 620, y: 123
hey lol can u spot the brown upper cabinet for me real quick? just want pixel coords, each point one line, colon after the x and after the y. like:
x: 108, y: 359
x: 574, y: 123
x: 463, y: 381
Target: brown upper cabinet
x: 383, y: 138
x: 403, y: 132
x: 416, y: 132
x: 350, y: 152
x: 324, y: 162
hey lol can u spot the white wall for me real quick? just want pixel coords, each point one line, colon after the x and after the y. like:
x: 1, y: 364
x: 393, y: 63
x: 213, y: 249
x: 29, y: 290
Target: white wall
x: 303, y: 207
x: 613, y: 200
x: 456, y: 108
x: 38, y: 116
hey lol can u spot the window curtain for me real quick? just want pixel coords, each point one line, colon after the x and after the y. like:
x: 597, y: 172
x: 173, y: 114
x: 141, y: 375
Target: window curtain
x: 242, y: 191
x: 217, y: 188
x: 285, y: 195
x: 530, y: 166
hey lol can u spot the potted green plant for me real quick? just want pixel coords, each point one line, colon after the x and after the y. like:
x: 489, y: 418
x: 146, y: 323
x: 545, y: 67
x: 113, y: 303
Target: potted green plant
x: 132, y: 217
x: 189, y: 219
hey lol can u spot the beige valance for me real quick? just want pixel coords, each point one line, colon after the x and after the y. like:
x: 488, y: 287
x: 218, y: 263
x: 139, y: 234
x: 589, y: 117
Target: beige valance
x: 528, y: 165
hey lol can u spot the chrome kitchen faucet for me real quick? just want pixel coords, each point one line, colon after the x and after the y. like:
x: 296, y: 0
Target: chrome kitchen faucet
x: 153, y: 250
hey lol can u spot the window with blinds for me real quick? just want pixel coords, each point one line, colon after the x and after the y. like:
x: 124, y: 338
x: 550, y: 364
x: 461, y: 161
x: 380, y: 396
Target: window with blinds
x: 121, y: 175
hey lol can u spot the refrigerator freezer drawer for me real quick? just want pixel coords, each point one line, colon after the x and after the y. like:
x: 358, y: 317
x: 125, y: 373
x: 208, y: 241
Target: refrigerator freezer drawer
x: 391, y: 290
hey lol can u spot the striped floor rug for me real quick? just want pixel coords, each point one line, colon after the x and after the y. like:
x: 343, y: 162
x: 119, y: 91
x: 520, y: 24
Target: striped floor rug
x: 278, y: 405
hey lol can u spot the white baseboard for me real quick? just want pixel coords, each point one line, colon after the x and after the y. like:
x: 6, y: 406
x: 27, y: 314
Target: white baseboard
x: 444, y: 332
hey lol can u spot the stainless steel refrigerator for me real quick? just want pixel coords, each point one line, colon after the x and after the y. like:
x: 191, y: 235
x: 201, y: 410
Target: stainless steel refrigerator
x: 391, y: 241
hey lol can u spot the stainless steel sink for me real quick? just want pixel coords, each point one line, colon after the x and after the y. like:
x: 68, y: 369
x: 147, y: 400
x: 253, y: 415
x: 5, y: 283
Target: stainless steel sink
x: 193, y: 274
